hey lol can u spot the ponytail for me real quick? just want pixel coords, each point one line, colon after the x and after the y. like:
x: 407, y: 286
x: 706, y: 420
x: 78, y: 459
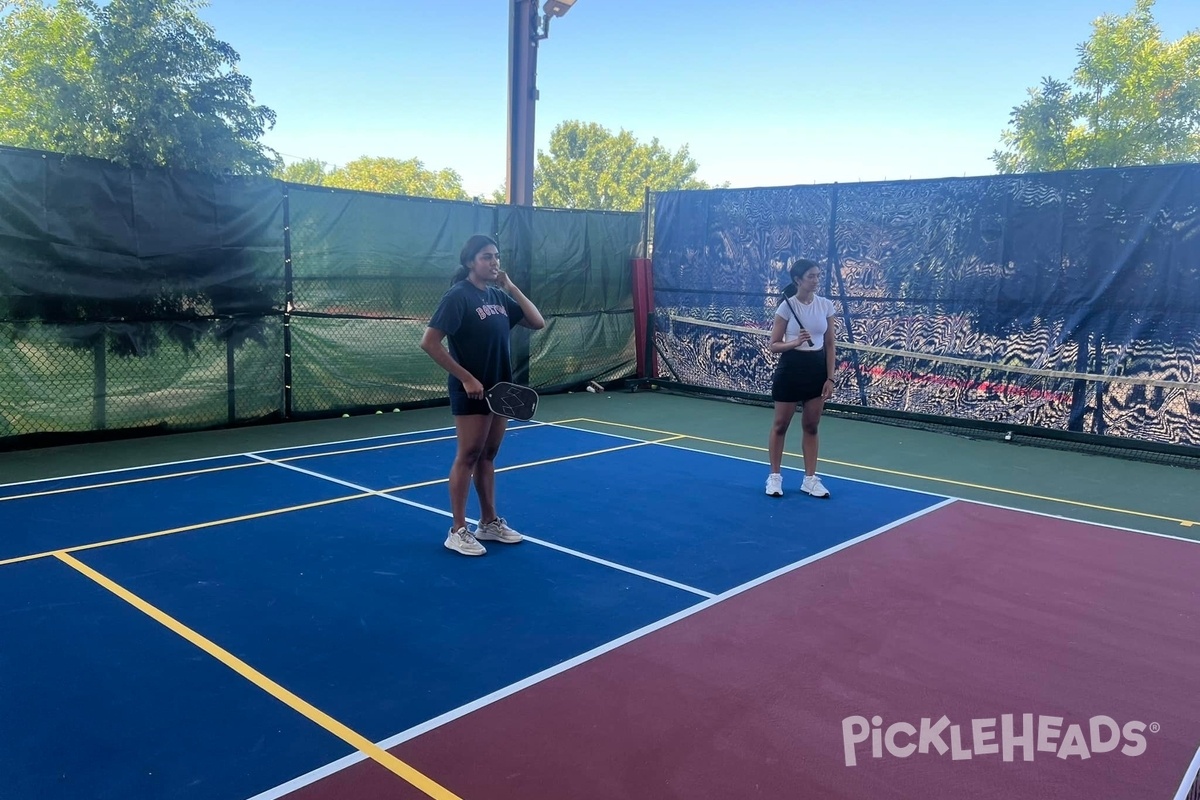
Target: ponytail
x: 459, y: 274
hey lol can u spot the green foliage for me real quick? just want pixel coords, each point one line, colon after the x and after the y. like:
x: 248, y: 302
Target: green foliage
x: 311, y: 171
x: 1134, y: 100
x: 393, y: 176
x: 139, y: 82
x: 386, y: 175
x: 46, y: 62
x: 590, y: 167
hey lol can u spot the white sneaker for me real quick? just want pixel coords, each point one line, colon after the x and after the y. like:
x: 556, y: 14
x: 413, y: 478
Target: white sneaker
x: 775, y: 485
x: 812, y: 486
x: 498, y: 531
x: 461, y: 541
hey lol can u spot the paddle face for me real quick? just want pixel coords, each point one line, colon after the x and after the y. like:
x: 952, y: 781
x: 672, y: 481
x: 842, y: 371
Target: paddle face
x: 512, y: 401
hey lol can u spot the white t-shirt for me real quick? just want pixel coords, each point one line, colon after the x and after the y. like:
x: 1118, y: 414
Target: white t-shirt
x: 814, y: 315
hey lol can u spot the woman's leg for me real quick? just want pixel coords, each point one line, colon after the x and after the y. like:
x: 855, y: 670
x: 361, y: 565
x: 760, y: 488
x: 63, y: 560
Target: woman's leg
x: 472, y: 434
x: 485, y: 468
x: 779, y: 428
x: 810, y: 418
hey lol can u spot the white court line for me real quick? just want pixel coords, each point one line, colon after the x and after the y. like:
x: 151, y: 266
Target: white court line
x: 239, y: 465
x: 1121, y: 528
x: 1189, y: 777
x: 614, y: 565
x: 687, y: 449
x: 336, y: 766
x: 381, y: 436
x: 559, y: 548
x: 216, y: 458
x: 904, y: 489
x: 356, y: 487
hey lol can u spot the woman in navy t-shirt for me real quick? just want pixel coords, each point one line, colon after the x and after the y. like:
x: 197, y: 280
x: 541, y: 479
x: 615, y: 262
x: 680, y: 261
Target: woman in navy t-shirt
x: 477, y: 315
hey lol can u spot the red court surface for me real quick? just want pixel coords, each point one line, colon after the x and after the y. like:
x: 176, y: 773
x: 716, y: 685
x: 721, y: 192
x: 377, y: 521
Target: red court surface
x: 971, y: 612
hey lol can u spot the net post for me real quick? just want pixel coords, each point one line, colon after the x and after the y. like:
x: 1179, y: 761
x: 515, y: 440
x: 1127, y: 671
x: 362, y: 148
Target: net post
x: 230, y: 391
x: 100, y: 379
x: 287, y: 303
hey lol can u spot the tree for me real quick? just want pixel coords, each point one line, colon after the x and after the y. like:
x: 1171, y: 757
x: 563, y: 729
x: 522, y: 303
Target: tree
x: 311, y: 171
x: 393, y: 176
x: 46, y: 63
x: 1134, y: 100
x: 139, y: 82
x: 590, y: 167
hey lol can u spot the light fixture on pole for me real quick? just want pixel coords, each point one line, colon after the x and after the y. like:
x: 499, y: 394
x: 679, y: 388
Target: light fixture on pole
x: 524, y: 32
x: 556, y: 8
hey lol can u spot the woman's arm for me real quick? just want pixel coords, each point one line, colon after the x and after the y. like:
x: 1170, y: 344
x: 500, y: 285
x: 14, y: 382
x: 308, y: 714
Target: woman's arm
x: 533, y: 318
x: 431, y: 343
x: 778, y: 345
x: 830, y: 357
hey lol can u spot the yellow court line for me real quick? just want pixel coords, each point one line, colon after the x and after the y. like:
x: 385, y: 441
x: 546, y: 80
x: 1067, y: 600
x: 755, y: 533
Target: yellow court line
x: 304, y: 506
x: 572, y: 457
x: 1184, y: 522
x: 298, y: 704
x: 198, y: 526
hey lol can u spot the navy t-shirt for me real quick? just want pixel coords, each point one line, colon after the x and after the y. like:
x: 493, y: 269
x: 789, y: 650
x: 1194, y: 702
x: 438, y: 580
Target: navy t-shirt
x: 478, y: 325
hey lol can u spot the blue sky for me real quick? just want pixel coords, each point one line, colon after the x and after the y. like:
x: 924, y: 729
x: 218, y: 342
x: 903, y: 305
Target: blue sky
x: 767, y: 93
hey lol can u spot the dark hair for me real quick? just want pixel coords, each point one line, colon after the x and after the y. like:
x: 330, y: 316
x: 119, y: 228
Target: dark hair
x: 469, y: 251
x: 798, y: 268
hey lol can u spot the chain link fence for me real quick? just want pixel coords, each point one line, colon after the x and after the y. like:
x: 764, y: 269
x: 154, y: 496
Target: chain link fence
x: 143, y: 299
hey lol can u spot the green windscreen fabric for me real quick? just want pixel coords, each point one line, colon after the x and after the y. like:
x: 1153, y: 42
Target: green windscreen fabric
x: 356, y: 254
x: 580, y: 277
x: 360, y: 363
x: 369, y: 270
x: 159, y: 299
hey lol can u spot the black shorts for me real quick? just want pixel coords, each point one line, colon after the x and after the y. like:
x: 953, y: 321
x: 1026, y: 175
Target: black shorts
x: 800, y: 376
x: 462, y: 404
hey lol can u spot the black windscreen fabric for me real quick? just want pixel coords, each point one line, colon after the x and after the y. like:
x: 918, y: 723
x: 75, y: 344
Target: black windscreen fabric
x: 1069, y: 301
x: 89, y: 240
x: 136, y: 298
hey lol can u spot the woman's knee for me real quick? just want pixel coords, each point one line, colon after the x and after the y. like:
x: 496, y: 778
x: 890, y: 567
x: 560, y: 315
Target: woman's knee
x: 469, y: 455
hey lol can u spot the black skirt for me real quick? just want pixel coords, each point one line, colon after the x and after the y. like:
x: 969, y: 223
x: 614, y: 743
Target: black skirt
x: 799, y: 377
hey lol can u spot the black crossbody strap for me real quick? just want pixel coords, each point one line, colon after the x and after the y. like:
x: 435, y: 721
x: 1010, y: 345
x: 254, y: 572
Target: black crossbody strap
x: 787, y: 301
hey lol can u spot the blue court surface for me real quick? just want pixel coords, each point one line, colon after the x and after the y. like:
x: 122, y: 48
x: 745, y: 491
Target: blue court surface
x: 214, y: 629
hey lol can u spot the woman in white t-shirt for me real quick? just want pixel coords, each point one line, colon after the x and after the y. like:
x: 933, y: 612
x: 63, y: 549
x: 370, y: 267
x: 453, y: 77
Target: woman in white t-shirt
x: 803, y: 335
